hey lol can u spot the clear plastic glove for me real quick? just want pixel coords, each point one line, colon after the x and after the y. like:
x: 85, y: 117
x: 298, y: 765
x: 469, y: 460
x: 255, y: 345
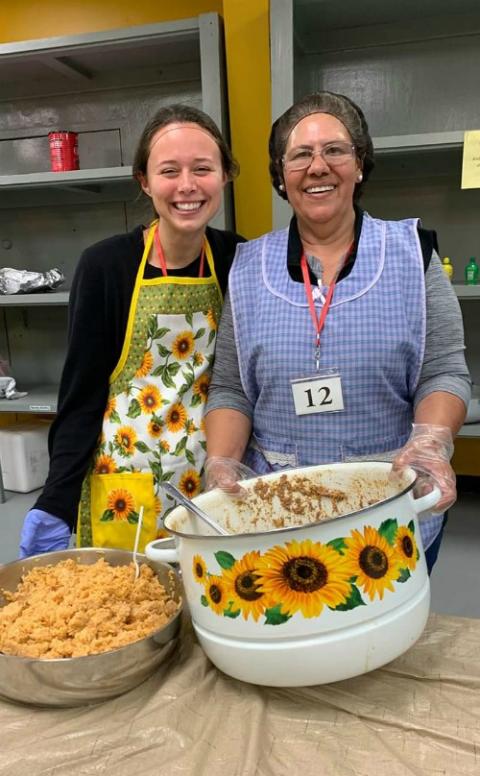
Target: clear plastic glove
x: 428, y: 451
x: 42, y: 532
x: 226, y: 473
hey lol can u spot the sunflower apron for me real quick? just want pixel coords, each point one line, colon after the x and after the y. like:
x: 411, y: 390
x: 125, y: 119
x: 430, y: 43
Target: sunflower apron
x: 153, y: 424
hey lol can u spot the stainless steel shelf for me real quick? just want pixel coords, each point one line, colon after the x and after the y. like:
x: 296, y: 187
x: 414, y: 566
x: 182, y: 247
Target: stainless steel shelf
x: 40, y: 398
x: 467, y: 292
x: 54, y: 298
x: 45, y: 189
x: 426, y: 141
x: 70, y: 179
x: 97, y: 60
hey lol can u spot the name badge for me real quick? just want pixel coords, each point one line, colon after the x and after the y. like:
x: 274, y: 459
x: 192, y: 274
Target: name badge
x: 321, y: 393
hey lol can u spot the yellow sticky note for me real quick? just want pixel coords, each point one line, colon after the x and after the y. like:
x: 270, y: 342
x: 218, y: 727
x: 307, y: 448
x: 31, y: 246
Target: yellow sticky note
x: 471, y: 160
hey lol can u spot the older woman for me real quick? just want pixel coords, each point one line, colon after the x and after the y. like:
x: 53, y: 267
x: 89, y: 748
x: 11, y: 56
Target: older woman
x: 341, y: 331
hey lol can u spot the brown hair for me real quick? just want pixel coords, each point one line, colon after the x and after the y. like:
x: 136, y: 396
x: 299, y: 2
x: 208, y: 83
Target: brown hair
x: 345, y: 110
x: 181, y: 114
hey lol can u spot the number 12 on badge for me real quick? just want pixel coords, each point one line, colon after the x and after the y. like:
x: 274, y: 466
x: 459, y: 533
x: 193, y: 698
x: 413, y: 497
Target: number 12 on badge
x: 322, y: 393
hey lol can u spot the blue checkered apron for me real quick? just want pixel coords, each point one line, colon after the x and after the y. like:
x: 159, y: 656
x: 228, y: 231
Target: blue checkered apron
x: 374, y: 334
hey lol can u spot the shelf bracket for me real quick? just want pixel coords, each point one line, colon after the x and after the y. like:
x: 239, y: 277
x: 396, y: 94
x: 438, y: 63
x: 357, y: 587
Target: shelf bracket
x: 68, y: 67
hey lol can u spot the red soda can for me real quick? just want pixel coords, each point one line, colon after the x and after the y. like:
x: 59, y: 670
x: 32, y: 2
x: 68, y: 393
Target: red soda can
x: 63, y: 151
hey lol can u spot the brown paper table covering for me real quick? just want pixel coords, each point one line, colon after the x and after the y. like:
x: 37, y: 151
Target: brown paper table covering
x: 418, y: 715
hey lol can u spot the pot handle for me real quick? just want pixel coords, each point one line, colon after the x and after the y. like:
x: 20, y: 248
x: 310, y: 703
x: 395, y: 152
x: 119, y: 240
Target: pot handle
x: 425, y: 503
x: 155, y: 551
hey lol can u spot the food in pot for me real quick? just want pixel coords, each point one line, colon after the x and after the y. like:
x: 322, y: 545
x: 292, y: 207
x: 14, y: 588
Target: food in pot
x: 292, y: 500
x: 71, y: 610
x: 297, y: 495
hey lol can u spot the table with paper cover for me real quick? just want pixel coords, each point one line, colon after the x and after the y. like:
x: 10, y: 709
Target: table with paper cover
x: 418, y: 715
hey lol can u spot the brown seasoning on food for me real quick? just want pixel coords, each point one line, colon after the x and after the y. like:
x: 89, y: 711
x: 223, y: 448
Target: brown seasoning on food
x: 299, y: 497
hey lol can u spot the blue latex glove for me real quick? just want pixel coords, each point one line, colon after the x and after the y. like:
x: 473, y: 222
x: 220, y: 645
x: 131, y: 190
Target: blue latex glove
x: 42, y: 532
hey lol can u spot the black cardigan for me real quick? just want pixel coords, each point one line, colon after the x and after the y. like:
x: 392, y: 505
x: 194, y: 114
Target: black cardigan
x: 99, y: 306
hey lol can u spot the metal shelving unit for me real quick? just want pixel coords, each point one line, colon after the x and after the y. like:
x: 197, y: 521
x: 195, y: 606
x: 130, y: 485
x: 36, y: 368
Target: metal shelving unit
x: 55, y: 299
x: 39, y: 399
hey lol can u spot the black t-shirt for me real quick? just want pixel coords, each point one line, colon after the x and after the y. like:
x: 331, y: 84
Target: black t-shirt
x: 98, y: 313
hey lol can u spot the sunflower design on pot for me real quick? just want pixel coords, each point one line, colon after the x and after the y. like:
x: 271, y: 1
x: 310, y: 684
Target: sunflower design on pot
x: 243, y: 587
x: 373, y: 561
x: 215, y: 594
x: 303, y: 578
x: 406, y: 546
x: 199, y: 568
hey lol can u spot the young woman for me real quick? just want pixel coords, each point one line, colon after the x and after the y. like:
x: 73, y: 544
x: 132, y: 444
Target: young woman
x: 143, y: 315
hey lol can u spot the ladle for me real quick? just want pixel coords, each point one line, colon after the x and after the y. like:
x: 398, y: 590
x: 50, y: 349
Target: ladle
x: 185, y: 502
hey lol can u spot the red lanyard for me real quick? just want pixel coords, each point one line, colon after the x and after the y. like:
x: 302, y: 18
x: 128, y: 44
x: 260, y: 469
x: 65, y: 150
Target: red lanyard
x: 319, y: 322
x: 161, y: 255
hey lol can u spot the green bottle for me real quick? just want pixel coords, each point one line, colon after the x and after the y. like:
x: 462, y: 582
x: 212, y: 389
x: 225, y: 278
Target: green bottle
x: 471, y: 272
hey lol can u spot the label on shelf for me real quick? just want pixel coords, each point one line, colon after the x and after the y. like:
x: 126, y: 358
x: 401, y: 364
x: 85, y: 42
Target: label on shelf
x: 471, y: 160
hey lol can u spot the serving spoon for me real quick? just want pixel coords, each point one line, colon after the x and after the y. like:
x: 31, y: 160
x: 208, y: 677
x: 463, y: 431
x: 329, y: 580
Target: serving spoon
x: 185, y: 502
x: 137, y: 539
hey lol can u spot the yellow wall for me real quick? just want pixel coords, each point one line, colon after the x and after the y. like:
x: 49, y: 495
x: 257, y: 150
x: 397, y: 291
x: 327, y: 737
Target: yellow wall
x: 248, y: 71
x: 249, y: 96
x: 26, y: 19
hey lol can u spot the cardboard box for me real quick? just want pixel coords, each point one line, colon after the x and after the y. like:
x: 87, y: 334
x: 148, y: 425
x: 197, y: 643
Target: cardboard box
x: 24, y: 456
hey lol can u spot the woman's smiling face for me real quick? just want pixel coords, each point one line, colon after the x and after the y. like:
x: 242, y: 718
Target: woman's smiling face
x: 321, y: 192
x: 185, y: 177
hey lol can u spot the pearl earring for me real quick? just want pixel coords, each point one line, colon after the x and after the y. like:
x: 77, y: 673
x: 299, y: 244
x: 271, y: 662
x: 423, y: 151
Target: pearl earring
x: 281, y: 187
x: 360, y: 178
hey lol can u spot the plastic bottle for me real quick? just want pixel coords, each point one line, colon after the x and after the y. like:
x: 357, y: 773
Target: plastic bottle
x: 447, y: 266
x: 471, y: 272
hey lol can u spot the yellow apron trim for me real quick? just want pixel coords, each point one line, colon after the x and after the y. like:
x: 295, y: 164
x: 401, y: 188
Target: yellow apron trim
x: 133, y: 306
x: 139, y: 281
x: 178, y: 281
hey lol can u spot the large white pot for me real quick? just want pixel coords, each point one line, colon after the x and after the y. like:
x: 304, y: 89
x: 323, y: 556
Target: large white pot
x: 311, y: 604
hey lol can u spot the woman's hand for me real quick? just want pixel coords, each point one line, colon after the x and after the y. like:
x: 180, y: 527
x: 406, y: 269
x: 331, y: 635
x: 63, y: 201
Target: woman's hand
x: 225, y: 474
x: 428, y: 452
x: 43, y: 532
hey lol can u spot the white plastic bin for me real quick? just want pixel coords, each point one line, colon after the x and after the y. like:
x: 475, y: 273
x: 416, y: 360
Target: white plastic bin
x: 24, y: 456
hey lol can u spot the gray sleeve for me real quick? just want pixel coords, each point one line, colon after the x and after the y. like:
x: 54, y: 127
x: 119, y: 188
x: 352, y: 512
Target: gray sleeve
x: 226, y: 386
x: 444, y: 367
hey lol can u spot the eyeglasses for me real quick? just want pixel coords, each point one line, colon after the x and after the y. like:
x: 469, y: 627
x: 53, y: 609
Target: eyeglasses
x: 334, y: 154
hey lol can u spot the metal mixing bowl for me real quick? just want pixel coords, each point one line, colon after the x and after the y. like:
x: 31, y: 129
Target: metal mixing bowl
x: 93, y: 678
